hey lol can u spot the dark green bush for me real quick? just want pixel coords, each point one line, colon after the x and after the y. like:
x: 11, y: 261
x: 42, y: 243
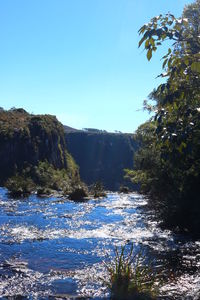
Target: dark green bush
x: 124, y: 189
x: 19, y: 186
x: 167, y: 165
x: 97, y: 190
x: 78, y: 193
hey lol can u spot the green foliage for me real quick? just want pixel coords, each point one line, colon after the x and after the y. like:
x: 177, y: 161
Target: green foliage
x: 19, y: 185
x: 97, y: 190
x: 72, y: 168
x: 181, y: 64
x: 45, y: 175
x: 44, y: 178
x: 130, y: 277
x: 168, y: 164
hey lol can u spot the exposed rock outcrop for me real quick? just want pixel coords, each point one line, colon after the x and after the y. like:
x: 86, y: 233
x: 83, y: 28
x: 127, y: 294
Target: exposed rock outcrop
x: 102, y: 156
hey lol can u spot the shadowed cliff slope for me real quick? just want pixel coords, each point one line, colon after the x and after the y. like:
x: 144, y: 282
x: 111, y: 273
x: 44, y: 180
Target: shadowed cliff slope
x: 102, y: 156
x: 26, y: 140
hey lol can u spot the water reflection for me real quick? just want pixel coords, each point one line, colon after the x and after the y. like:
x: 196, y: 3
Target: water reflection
x: 54, y: 246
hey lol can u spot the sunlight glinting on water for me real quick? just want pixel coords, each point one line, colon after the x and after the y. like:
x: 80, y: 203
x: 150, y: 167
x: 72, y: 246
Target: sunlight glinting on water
x: 52, y: 246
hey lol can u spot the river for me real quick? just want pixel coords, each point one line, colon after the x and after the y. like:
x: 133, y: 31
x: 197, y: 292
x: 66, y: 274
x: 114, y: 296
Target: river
x: 53, y: 247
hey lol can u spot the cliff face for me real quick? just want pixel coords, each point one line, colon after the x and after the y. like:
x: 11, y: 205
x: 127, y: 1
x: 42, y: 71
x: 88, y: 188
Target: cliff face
x: 26, y: 139
x: 33, y: 146
x: 102, y: 156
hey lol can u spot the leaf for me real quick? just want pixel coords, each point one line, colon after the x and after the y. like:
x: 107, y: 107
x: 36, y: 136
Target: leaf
x: 142, y: 29
x: 152, y: 41
x: 181, y: 147
x: 186, y: 61
x: 147, y: 44
x: 195, y: 67
x: 177, y: 34
x: 159, y: 32
x: 159, y: 119
x: 163, y: 88
x: 141, y: 41
x: 164, y: 63
x: 149, y: 54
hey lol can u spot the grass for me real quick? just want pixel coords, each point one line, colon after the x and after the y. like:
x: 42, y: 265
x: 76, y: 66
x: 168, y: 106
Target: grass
x: 129, y: 277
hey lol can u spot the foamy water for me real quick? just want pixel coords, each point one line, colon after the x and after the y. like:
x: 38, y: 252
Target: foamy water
x: 51, y: 246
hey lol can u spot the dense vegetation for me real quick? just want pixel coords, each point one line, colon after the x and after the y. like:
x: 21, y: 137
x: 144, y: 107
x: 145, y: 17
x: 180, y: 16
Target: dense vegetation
x: 102, y: 156
x: 167, y: 166
x: 33, y: 154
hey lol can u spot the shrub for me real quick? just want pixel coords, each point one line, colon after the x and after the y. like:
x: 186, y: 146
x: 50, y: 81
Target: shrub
x: 97, y: 190
x: 124, y: 189
x: 78, y: 193
x: 43, y: 192
x: 19, y: 186
x: 129, y: 276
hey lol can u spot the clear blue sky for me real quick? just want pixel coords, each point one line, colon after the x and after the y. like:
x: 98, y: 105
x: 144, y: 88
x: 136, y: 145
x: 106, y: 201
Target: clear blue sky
x: 79, y: 60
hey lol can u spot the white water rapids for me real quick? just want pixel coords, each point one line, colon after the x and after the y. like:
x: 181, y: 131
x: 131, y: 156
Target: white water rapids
x: 51, y: 247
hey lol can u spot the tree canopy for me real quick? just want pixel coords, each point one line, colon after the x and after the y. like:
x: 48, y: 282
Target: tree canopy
x: 168, y: 162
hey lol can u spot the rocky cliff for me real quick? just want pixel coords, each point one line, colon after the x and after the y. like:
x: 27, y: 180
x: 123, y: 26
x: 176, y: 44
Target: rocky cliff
x: 35, y: 151
x: 33, y: 146
x: 102, y: 156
